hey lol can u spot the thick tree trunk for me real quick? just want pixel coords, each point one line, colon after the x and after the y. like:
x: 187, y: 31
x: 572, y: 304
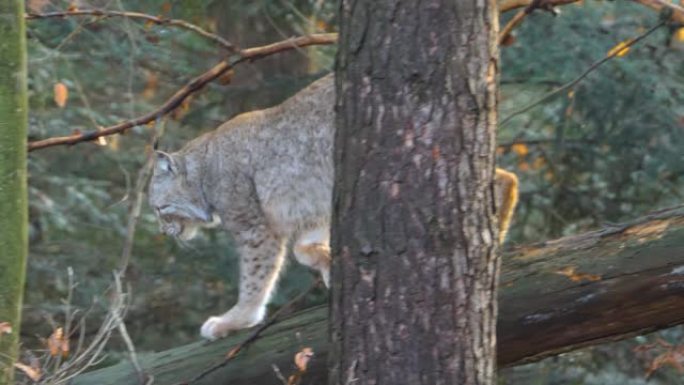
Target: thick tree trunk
x: 558, y: 296
x: 13, y: 209
x: 415, y: 267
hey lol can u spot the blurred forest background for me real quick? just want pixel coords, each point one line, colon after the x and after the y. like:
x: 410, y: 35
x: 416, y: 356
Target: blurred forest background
x: 609, y: 150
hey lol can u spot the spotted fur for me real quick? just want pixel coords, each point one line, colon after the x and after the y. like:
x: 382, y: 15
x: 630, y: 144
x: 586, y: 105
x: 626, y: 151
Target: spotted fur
x: 267, y: 177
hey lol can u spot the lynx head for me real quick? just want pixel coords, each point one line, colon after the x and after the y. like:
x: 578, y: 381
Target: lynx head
x: 179, y: 203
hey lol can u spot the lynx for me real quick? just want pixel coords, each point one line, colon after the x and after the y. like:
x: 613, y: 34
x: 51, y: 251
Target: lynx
x: 266, y: 176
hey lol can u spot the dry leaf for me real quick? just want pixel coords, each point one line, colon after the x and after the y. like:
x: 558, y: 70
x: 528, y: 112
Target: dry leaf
x: 149, y: 24
x: 673, y: 358
x: 31, y: 372
x: 61, y: 94
x: 5, y: 328
x: 233, y: 352
x: 679, y: 34
x: 166, y: 7
x: 508, y: 40
x: 58, y: 344
x: 621, y: 49
x: 538, y: 163
x: 182, y: 110
x: 302, y: 358
x: 151, y: 85
x: 322, y: 25
x: 226, y: 78
x: 520, y: 149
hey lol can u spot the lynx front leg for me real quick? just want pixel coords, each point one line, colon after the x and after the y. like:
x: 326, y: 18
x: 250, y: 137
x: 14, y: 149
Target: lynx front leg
x: 262, y: 253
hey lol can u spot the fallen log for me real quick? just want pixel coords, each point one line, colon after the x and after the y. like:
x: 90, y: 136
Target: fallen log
x: 557, y: 296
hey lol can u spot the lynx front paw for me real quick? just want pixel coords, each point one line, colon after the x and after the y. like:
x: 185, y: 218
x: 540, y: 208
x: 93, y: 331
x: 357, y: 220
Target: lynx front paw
x: 236, y: 319
x: 213, y: 329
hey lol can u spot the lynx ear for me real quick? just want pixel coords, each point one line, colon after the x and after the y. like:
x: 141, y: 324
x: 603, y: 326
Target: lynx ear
x: 166, y: 162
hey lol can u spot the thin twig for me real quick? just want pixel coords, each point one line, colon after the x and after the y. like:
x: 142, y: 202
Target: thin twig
x: 233, y: 352
x: 581, y: 77
x: 135, y: 205
x: 137, y: 15
x: 143, y: 378
x: 190, y: 88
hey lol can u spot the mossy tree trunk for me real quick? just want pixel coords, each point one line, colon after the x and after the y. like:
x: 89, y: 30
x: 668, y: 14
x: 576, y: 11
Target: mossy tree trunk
x: 13, y: 202
x: 415, y: 267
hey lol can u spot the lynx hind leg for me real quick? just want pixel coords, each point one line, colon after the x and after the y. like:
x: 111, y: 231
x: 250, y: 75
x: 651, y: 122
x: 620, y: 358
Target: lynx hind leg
x: 506, y: 199
x: 262, y: 253
x: 312, y: 249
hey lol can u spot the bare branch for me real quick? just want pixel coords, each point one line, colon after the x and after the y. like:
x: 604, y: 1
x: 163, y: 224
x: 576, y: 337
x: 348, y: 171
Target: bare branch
x: 509, y: 5
x: 255, y: 53
x: 518, y: 18
x: 657, y: 5
x: 190, y: 88
x: 137, y: 15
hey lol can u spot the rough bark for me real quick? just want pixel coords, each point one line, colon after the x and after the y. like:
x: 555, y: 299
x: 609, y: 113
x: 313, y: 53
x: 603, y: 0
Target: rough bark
x: 13, y: 204
x: 415, y: 268
x: 554, y: 297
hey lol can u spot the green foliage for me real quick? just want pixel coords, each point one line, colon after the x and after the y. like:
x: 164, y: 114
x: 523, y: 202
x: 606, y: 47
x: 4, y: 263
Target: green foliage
x: 610, y: 152
x: 612, y: 148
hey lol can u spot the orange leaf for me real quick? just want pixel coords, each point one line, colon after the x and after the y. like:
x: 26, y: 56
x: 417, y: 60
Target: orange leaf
x: 233, y: 352
x: 5, y: 328
x: 621, y: 49
x: 302, y: 358
x: 508, y: 40
x: 520, y: 149
x: 58, y: 344
x: 31, y: 372
x: 679, y: 34
x: 151, y: 84
x: 538, y: 163
x: 182, y: 110
x: 321, y: 25
x: 61, y: 94
x: 226, y: 78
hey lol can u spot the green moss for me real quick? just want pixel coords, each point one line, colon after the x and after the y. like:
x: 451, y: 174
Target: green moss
x: 13, y: 204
